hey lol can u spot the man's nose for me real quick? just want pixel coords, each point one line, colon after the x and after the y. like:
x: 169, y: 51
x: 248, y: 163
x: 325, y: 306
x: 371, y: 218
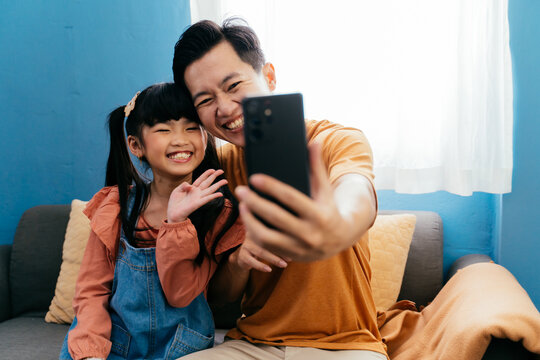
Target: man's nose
x: 226, y: 106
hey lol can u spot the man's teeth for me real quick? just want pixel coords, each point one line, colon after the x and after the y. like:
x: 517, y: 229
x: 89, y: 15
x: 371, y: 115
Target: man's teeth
x: 180, y: 155
x: 235, y: 124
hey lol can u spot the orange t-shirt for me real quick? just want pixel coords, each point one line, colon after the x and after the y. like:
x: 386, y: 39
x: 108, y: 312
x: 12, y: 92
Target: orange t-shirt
x: 324, y: 304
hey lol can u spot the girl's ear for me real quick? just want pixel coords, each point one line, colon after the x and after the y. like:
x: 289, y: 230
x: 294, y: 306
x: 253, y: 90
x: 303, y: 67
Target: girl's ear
x: 269, y: 74
x: 135, y: 146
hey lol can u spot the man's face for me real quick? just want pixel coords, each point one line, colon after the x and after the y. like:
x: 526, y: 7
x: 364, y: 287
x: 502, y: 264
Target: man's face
x: 218, y: 82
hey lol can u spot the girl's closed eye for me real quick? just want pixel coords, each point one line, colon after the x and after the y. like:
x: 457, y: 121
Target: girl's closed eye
x: 160, y: 128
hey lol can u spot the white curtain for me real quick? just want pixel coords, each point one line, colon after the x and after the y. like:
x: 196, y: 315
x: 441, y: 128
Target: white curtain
x: 428, y: 81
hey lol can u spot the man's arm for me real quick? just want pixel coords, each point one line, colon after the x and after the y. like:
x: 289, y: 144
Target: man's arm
x: 232, y: 275
x: 326, y: 224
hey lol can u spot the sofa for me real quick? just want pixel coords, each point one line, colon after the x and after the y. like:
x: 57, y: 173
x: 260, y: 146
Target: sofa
x: 30, y: 266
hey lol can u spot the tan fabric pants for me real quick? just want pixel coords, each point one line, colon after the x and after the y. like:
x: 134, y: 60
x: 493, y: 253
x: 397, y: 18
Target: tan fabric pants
x: 243, y: 350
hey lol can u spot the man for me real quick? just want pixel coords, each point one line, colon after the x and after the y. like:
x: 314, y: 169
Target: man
x: 306, y: 282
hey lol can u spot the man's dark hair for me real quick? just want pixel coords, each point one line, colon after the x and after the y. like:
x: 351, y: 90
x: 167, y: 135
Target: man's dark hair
x: 202, y: 36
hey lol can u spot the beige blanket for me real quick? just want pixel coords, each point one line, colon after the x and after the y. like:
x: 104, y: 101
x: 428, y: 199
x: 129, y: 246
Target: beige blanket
x: 478, y: 302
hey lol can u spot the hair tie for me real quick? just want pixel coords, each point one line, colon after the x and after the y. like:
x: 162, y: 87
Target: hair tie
x: 130, y: 105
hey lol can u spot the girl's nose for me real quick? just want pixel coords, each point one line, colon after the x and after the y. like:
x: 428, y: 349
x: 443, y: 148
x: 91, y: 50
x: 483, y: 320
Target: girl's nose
x: 179, y: 140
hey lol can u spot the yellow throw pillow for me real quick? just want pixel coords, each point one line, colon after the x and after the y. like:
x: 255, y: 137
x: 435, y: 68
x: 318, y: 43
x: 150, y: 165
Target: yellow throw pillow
x: 389, y: 241
x: 77, y: 233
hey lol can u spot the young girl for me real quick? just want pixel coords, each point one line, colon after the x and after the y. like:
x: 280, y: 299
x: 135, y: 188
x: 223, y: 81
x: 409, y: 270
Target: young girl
x: 154, y: 246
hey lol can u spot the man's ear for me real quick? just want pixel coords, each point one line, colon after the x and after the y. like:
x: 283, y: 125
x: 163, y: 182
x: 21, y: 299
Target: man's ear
x: 135, y: 146
x: 269, y: 74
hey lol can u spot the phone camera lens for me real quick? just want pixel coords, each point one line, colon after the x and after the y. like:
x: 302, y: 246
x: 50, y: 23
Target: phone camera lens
x: 251, y: 107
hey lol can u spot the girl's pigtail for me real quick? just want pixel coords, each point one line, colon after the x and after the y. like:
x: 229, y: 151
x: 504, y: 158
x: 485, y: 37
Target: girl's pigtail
x: 121, y: 171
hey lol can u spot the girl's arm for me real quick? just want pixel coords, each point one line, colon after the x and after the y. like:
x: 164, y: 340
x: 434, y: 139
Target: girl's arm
x: 91, y: 336
x: 181, y: 278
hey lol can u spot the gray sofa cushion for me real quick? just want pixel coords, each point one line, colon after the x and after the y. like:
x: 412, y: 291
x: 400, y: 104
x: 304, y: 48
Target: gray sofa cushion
x: 39, y: 236
x: 31, y: 338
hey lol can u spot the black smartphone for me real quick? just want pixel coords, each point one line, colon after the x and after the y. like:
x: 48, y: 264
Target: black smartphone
x: 275, y: 135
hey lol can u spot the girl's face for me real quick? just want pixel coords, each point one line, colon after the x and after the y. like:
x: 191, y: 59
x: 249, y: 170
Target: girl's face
x: 173, y: 149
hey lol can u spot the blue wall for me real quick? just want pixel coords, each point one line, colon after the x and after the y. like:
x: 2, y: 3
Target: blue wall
x: 64, y: 66
x: 519, y: 246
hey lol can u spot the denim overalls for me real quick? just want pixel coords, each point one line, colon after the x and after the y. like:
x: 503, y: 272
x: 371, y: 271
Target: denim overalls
x: 144, y: 325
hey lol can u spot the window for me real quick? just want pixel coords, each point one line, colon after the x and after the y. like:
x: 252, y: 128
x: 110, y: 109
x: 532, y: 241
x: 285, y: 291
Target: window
x: 428, y: 81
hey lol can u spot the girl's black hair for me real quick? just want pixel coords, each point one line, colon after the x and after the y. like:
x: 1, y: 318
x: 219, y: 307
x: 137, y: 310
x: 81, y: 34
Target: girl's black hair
x: 158, y: 104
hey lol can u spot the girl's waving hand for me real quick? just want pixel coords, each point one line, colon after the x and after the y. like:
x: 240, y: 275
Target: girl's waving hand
x: 186, y: 198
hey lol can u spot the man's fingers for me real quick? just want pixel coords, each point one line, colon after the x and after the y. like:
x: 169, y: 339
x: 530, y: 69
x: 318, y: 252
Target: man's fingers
x: 252, y: 256
x: 271, y: 213
x: 265, y: 255
x: 247, y: 261
x: 275, y: 242
x: 287, y: 195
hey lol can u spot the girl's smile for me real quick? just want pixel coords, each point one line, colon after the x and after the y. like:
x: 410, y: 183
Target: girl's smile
x: 180, y: 156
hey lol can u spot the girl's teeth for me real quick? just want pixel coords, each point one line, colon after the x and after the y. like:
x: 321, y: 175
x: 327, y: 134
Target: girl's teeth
x: 181, y: 155
x: 235, y: 124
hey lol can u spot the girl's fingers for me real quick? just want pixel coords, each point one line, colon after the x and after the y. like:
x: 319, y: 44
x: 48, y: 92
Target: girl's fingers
x: 203, y: 177
x: 216, y: 186
x: 183, y: 187
x: 206, y: 199
x: 211, y: 197
x: 211, y: 178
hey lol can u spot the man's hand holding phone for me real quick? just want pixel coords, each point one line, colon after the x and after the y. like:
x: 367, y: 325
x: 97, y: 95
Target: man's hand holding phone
x: 291, y: 209
x: 317, y: 231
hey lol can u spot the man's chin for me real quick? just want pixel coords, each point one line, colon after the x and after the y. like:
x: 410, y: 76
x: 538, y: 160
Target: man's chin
x: 239, y: 142
x: 236, y: 139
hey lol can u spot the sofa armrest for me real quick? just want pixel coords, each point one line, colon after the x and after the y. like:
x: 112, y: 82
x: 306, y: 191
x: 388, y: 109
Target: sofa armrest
x: 5, y: 303
x: 467, y: 260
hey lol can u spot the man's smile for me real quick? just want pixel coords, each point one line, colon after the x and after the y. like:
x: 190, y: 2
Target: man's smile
x: 234, y: 124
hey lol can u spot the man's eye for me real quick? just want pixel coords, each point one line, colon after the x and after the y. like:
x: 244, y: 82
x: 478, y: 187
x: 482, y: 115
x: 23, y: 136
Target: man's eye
x: 233, y: 85
x: 203, y: 102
